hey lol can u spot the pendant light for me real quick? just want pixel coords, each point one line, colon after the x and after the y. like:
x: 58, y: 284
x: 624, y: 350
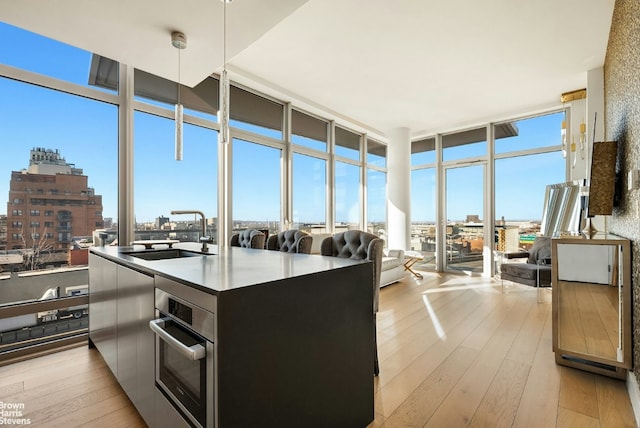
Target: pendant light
x: 179, y: 41
x: 223, y: 112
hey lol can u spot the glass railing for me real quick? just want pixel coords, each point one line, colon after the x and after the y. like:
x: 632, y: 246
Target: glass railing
x: 42, y: 310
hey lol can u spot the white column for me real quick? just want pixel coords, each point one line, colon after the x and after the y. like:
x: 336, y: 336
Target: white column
x: 399, y: 189
x: 595, y: 110
x: 595, y: 104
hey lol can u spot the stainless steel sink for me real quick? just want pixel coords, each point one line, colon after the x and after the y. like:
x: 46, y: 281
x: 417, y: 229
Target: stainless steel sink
x: 171, y: 253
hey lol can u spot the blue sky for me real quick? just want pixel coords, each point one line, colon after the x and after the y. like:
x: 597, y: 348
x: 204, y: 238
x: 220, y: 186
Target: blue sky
x: 85, y: 132
x: 520, y: 181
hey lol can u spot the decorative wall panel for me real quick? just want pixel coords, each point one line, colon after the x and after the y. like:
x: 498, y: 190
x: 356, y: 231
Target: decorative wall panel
x: 622, y: 107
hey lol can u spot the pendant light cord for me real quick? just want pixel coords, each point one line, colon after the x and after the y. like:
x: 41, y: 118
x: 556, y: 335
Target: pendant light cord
x: 224, y: 82
x: 224, y: 34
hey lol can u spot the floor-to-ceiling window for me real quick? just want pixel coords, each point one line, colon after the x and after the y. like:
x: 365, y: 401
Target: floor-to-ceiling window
x: 423, y: 215
x: 347, y: 178
x: 347, y: 196
x: 163, y: 184
x: 423, y: 201
x: 46, y: 130
x: 257, y: 161
x: 526, y: 157
x: 309, y: 175
x: 464, y: 205
x: 464, y: 157
x: 309, y: 182
x: 525, y: 163
x: 376, y: 188
x: 81, y: 148
x: 256, y: 186
x: 59, y: 145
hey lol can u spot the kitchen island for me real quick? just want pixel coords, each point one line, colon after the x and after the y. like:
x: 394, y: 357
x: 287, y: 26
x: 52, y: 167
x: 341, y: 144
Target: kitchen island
x: 292, y: 334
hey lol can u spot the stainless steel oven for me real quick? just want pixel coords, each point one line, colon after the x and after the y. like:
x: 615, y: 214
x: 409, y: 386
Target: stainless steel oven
x: 184, y: 357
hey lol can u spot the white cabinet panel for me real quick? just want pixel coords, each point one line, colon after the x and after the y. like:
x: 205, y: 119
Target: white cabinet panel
x: 585, y: 263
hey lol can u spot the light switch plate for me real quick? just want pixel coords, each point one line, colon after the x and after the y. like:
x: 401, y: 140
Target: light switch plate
x: 634, y: 179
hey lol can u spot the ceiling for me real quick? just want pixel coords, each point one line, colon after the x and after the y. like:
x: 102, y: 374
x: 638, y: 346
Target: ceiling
x: 427, y: 65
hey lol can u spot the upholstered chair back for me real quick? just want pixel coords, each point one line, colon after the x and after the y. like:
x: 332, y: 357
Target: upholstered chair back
x: 358, y: 245
x: 291, y: 241
x: 541, y: 250
x: 250, y: 238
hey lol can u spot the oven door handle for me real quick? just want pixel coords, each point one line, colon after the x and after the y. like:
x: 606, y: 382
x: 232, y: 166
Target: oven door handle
x: 194, y: 353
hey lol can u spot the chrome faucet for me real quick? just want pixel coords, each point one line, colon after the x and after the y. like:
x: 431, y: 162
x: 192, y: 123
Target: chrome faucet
x: 204, y: 238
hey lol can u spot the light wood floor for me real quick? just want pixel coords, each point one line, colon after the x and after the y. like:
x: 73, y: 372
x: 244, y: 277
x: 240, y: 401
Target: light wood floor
x: 589, y: 319
x: 454, y: 351
x: 72, y: 388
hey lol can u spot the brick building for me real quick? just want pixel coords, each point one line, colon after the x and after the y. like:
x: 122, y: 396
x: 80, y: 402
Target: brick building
x: 49, y: 203
x: 3, y: 232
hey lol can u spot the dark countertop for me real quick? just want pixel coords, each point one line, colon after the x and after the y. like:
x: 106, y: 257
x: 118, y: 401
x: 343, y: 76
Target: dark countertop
x: 225, y: 269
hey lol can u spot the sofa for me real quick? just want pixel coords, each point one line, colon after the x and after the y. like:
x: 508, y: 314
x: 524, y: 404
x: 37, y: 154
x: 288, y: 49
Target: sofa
x: 392, y: 268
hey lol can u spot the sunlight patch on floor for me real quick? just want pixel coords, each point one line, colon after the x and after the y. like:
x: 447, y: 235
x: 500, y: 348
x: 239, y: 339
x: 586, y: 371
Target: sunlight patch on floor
x: 456, y: 284
x: 434, y: 318
x: 461, y: 287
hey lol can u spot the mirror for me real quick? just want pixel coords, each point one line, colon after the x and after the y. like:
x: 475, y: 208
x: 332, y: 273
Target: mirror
x: 563, y: 209
x: 592, y: 316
